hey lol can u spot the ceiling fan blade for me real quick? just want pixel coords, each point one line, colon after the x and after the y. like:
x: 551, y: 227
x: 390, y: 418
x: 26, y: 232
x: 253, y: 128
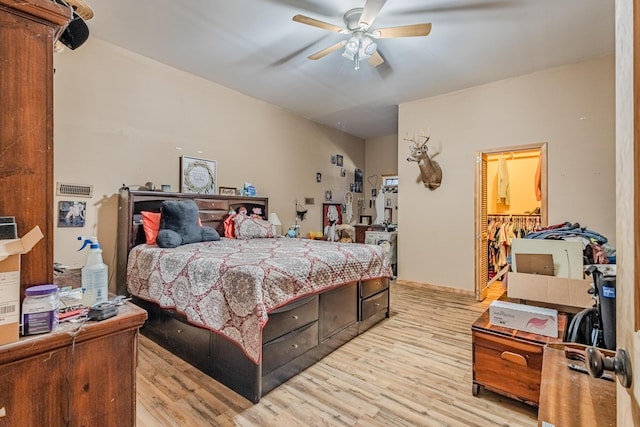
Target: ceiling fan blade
x: 404, y: 31
x: 375, y: 59
x: 320, y: 24
x: 327, y: 51
x: 370, y: 12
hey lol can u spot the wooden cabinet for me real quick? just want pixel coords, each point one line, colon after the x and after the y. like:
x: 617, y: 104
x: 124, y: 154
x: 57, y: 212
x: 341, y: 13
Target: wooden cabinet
x: 55, y: 379
x: 28, y: 29
x: 509, y: 361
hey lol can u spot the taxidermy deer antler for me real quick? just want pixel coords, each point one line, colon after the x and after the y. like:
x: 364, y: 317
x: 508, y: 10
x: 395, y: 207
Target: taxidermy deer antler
x: 430, y: 171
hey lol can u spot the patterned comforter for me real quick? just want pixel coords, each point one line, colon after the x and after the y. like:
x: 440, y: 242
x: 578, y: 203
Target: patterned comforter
x: 231, y: 285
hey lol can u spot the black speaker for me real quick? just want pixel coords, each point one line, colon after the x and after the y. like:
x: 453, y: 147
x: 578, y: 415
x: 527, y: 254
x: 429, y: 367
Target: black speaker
x: 76, y: 33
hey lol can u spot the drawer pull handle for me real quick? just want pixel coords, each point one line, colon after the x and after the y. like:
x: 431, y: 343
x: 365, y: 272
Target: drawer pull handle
x: 514, y: 357
x: 377, y: 304
x: 294, y: 345
x: 294, y: 317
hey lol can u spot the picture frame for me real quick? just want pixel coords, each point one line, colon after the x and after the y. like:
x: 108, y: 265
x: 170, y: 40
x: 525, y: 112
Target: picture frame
x: 227, y: 191
x: 328, y: 196
x: 388, y: 215
x: 71, y: 213
x: 365, y: 219
x: 339, y: 160
x: 197, y: 175
x: 331, y: 218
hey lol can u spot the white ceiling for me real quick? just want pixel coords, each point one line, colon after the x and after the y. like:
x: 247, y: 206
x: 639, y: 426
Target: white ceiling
x: 254, y: 47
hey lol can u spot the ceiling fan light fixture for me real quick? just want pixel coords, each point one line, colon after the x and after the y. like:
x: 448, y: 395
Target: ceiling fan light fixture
x: 367, y: 48
x: 351, y: 48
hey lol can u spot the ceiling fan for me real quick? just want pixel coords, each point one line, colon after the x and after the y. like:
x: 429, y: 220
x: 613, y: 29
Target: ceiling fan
x: 361, y: 44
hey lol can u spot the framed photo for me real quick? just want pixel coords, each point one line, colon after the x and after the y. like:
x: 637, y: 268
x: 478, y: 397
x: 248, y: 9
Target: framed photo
x: 71, y: 214
x: 197, y: 175
x: 365, y: 219
x: 328, y: 196
x: 388, y: 215
x: 227, y: 191
x: 339, y: 160
x: 331, y: 218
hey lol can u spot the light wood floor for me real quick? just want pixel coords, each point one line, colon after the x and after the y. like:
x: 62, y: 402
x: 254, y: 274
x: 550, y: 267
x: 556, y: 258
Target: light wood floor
x: 413, y: 369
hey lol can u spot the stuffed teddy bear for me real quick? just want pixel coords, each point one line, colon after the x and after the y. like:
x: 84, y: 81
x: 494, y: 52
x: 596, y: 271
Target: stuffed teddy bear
x: 180, y: 225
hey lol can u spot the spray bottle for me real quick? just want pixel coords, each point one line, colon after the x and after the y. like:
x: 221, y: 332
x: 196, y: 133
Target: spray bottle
x: 95, y: 279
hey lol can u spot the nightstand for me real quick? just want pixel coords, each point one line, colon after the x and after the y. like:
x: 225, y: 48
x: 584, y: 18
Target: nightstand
x: 508, y: 361
x: 79, y: 374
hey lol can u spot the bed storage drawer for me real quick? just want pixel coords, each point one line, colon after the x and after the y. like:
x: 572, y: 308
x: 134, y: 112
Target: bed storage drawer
x: 373, y: 286
x: 212, y: 204
x: 376, y: 304
x: 286, y: 348
x: 338, y: 309
x: 289, y: 317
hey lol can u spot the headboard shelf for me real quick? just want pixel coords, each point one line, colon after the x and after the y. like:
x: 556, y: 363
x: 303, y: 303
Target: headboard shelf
x: 213, y: 211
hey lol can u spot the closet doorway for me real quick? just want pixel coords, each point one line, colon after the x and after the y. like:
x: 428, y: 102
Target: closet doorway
x: 521, y: 163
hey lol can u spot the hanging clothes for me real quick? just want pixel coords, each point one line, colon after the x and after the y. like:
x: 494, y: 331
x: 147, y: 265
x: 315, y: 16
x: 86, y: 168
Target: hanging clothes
x: 501, y: 229
x: 504, y: 193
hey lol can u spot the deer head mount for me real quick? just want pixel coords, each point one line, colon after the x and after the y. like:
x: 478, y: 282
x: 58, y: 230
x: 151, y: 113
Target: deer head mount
x: 430, y: 171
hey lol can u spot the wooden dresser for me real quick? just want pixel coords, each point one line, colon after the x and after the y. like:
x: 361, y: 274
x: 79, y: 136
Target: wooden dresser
x: 28, y: 29
x: 508, y: 361
x: 54, y: 380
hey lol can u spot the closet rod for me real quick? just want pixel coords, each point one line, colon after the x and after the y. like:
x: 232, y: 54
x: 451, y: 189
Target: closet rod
x: 514, y: 157
x: 525, y: 215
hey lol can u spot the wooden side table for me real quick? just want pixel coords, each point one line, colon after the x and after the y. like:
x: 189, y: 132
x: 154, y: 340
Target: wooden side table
x: 574, y: 399
x: 508, y: 361
x: 79, y: 375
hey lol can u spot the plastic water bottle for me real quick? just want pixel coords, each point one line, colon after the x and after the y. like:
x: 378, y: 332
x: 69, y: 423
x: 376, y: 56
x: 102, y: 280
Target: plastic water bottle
x: 95, y: 277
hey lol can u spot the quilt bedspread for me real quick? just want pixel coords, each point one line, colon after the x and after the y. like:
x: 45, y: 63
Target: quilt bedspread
x: 231, y: 285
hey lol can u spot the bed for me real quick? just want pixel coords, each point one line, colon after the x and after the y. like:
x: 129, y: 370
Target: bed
x: 250, y: 313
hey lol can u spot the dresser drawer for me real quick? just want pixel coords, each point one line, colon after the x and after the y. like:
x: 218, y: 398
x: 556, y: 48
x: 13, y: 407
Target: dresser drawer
x: 373, y: 305
x: 507, y: 365
x: 286, y: 348
x: 370, y: 287
x: 212, y: 204
x: 211, y: 216
x: 292, y: 316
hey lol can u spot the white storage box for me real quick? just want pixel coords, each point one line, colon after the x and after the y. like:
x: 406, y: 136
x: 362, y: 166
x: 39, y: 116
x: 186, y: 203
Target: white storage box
x: 536, y: 320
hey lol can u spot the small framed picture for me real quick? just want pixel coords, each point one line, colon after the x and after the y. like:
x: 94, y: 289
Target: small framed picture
x: 318, y: 177
x: 227, y: 191
x: 388, y: 202
x: 339, y: 160
x: 333, y: 159
x: 343, y: 172
x: 365, y: 219
x: 328, y: 196
x: 71, y: 214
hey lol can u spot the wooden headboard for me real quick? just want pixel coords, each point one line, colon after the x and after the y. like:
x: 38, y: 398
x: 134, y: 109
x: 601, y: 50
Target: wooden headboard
x: 214, y: 209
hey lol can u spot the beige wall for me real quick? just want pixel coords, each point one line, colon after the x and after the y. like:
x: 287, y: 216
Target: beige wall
x: 120, y: 118
x: 571, y: 108
x: 381, y: 158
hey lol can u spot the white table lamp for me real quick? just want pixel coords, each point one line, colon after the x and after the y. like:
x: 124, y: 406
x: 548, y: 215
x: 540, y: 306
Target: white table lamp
x: 273, y: 219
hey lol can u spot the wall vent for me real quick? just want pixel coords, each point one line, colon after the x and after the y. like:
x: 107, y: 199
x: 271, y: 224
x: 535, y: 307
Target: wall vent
x: 75, y: 190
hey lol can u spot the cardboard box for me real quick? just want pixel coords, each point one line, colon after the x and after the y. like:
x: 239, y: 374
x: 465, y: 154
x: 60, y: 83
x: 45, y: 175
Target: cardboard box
x: 10, y: 251
x: 549, y: 289
x: 536, y: 320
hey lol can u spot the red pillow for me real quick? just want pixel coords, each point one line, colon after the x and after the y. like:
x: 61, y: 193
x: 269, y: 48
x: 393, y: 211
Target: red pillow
x: 151, y: 226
